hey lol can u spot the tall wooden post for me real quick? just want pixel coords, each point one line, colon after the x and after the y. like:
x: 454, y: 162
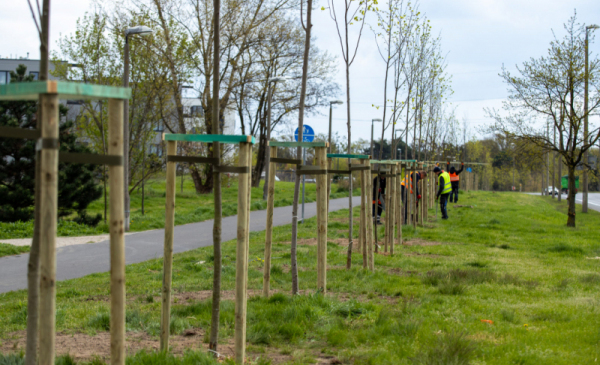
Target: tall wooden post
x: 48, y: 220
x: 117, y: 235
x: 165, y: 317
x: 321, y: 161
x: 269, y: 231
x: 408, y: 188
x: 414, y: 196
x: 399, y: 207
x: 241, y: 256
x: 393, y: 213
x: 370, y: 234
x: 425, y: 199
x: 364, y: 203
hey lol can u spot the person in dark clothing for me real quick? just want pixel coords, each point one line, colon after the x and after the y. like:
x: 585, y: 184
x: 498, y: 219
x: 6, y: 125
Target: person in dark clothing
x: 404, y: 192
x: 445, y: 187
x: 379, y: 197
x: 455, y: 180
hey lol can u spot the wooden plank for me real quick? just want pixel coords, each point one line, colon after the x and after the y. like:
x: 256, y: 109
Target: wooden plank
x: 209, y: 138
x: 345, y: 155
x: 65, y: 90
x: 165, y: 317
x: 321, y: 161
x: 241, y: 256
x: 48, y: 223
x: 298, y: 144
x: 117, y: 234
x: 383, y: 162
x: 269, y: 229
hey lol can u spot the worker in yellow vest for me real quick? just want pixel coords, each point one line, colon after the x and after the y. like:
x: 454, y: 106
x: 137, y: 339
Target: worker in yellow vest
x: 455, y: 180
x: 445, y: 187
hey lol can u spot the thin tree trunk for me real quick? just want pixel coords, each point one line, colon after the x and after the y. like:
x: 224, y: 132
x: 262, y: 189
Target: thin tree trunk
x: 571, y: 198
x: 33, y: 266
x: 349, y: 150
x: 216, y: 299
x: 307, y: 29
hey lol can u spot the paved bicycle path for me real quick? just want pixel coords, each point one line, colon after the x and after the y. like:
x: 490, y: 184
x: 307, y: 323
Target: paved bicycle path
x: 80, y: 260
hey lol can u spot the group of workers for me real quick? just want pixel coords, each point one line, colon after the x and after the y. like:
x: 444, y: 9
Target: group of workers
x: 448, y: 183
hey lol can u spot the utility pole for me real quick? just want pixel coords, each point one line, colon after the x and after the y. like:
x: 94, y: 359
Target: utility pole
x: 584, y: 200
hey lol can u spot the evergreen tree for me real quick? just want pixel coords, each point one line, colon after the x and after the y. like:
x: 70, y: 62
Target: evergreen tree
x: 76, y: 186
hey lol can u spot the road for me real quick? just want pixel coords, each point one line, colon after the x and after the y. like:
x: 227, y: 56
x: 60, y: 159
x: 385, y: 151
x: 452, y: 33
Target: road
x: 593, y: 199
x: 80, y: 260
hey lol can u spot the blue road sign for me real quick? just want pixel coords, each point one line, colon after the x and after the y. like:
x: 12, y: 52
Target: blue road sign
x: 308, y: 134
x: 469, y: 169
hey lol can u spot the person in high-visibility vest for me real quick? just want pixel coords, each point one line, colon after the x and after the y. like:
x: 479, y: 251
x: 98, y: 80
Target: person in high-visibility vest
x: 419, y: 175
x: 455, y: 180
x: 445, y: 187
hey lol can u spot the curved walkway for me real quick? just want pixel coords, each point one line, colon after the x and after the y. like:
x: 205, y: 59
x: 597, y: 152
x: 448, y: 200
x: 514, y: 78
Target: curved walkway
x: 80, y: 260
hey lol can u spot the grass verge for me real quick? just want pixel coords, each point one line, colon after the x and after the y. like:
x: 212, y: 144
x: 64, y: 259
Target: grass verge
x: 504, y: 282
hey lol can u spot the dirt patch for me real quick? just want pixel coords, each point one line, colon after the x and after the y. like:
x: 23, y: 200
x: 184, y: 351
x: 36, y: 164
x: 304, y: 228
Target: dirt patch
x: 84, y: 347
x: 421, y: 242
x: 313, y: 241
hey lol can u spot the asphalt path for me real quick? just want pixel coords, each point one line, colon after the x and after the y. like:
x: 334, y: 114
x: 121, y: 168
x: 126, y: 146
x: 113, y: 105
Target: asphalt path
x: 80, y: 260
x: 593, y: 199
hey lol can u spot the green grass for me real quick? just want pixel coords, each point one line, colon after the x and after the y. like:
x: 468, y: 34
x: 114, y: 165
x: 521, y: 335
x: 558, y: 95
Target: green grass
x: 510, y: 259
x: 9, y: 250
x: 191, y: 207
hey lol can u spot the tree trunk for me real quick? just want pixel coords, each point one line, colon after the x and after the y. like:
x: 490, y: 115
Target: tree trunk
x: 216, y: 297
x: 571, y: 198
x: 308, y: 28
x: 33, y: 266
x: 350, y: 218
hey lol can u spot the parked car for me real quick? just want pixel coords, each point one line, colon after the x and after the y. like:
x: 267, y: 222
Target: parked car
x: 262, y: 177
x: 551, y: 191
x: 311, y: 181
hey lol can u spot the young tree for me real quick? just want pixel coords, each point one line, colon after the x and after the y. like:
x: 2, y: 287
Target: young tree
x: 551, y: 88
x: 351, y: 12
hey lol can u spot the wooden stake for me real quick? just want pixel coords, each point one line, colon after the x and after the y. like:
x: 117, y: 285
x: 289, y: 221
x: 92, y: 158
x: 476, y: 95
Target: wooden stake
x: 241, y: 256
x: 369, y: 218
x: 269, y: 231
x: 48, y: 220
x: 168, y: 248
x: 117, y: 234
x: 414, y: 197
x: 321, y: 161
x: 399, y: 207
x: 392, y: 210
x: 364, y: 203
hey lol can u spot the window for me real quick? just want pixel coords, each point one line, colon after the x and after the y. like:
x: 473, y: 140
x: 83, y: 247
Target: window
x: 4, y: 77
x: 196, y: 111
x: 36, y: 75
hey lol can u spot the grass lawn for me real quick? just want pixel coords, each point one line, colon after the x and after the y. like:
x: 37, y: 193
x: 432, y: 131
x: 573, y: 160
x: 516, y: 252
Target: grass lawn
x: 191, y: 207
x: 502, y: 283
x: 8, y: 250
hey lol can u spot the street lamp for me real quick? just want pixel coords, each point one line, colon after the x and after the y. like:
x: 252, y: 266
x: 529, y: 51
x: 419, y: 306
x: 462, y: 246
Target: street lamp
x: 372, y: 128
x: 584, y: 200
x: 331, y: 103
x: 273, y: 80
x: 396, y: 132
x: 141, y: 30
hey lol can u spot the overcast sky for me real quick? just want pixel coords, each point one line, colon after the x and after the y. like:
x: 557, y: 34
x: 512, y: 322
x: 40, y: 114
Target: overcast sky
x: 477, y: 35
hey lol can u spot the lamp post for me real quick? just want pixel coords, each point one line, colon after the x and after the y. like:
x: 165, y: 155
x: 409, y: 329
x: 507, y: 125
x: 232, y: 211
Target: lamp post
x: 267, y: 149
x: 142, y: 30
x: 331, y: 103
x: 400, y: 139
x: 372, y: 128
x: 584, y: 200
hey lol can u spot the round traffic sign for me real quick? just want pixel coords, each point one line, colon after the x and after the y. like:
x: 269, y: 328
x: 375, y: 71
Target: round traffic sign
x: 308, y: 134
